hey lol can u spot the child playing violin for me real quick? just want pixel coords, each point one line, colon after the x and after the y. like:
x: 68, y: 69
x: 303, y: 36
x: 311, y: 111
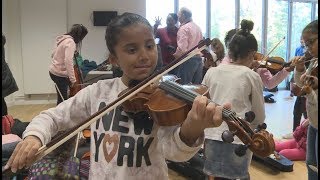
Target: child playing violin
x: 303, y: 79
x: 236, y: 83
x: 138, y: 147
x: 269, y: 81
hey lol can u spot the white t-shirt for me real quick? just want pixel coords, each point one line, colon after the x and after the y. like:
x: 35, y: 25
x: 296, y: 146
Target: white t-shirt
x: 121, y: 148
x: 240, y: 86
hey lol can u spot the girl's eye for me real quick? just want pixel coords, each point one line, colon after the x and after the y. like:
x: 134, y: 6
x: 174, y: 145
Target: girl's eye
x: 150, y: 46
x: 131, y: 50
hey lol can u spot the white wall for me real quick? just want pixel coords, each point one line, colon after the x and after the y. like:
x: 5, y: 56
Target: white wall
x: 78, y: 11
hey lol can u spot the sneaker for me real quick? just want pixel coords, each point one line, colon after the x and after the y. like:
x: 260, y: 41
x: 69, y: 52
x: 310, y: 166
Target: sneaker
x: 288, y: 136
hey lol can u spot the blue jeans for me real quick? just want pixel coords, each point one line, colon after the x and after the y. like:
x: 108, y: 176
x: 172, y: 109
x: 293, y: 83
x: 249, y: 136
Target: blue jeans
x: 312, y: 152
x: 191, y: 71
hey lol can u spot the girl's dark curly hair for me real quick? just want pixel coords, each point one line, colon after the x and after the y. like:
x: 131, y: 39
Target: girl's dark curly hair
x: 243, y: 42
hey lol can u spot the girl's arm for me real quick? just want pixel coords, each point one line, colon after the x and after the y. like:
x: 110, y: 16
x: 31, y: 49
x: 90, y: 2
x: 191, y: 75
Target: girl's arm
x: 66, y: 115
x: 257, y: 102
x: 180, y: 144
x: 270, y: 81
x: 70, y: 48
x: 47, y: 124
x: 174, y: 148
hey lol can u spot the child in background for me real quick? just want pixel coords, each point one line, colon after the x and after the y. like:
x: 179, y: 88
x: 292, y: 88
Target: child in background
x: 218, y: 48
x: 269, y: 81
x: 61, y: 69
x: 295, y: 149
x: 310, y: 38
x: 236, y: 83
x: 140, y: 146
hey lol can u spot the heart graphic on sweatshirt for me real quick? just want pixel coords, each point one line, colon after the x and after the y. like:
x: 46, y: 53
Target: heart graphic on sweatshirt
x: 110, y: 147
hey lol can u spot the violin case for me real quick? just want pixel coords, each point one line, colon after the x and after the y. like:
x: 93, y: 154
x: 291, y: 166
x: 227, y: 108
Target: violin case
x: 282, y: 164
x: 192, y: 168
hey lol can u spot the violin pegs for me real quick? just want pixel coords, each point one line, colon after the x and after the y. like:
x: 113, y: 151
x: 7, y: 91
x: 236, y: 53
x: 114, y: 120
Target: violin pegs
x: 240, y: 150
x: 249, y: 116
x: 227, y: 136
x: 260, y: 127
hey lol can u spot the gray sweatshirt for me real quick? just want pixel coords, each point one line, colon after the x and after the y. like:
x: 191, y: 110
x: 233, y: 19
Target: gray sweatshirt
x: 121, y: 148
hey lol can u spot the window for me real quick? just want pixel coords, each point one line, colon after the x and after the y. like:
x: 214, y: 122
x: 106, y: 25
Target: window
x: 277, y: 29
x: 316, y: 11
x: 199, y: 12
x: 252, y: 10
x: 301, y: 16
x: 222, y: 18
x: 153, y: 10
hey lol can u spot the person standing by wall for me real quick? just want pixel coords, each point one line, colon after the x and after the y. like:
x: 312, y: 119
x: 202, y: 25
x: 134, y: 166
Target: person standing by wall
x: 9, y: 84
x: 61, y: 68
x: 189, y: 35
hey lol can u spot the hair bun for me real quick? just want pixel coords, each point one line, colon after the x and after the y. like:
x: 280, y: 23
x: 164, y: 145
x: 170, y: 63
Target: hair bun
x: 246, y: 25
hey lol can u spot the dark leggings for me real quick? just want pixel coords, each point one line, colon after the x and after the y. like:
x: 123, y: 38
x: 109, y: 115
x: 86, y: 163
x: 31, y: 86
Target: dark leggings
x: 62, y: 83
x: 4, y: 108
x: 299, y: 110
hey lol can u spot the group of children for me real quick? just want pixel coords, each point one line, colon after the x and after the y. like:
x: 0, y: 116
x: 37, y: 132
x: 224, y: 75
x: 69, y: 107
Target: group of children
x: 141, y: 154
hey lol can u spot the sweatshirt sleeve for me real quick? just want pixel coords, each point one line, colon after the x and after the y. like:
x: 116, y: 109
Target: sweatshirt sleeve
x: 270, y: 81
x: 257, y: 102
x: 70, y: 48
x: 66, y: 115
x: 174, y: 148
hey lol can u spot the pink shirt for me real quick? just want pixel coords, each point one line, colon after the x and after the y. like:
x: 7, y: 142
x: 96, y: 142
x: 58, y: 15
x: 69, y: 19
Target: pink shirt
x: 62, y: 58
x: 188, y: 36
x: 269, y: 81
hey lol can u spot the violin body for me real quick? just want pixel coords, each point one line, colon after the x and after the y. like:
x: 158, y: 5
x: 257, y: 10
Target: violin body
x: 77, y: 86
x: 171, y: 111
x: 308, y: 84
x: 162, y: 107
x: 273, y: 64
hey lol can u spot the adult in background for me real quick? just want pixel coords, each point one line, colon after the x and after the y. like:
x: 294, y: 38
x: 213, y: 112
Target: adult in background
x: 61, y: 68
x: 167, y: 37
x: 188, y: 36
x: 9, y: 84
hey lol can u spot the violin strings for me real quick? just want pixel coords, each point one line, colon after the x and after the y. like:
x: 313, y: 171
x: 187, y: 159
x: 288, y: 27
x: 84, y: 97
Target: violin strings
x: 189, y: 95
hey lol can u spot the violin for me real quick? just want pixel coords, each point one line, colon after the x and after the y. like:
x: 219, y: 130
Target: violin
x: 168, y: 104
x: 274, y: 63
x: 208, y: 59
x: 308, y: 83
x: 78, y: 85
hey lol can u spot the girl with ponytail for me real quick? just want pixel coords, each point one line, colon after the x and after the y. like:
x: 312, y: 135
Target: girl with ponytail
x: 236, y: 83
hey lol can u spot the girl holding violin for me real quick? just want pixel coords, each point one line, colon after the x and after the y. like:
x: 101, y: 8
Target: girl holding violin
x: 236, y: 83
x: 122, y: 146
x: 269, y: 81
x: 308, y: 81
x: 213, y: 56
x: 61, y: 69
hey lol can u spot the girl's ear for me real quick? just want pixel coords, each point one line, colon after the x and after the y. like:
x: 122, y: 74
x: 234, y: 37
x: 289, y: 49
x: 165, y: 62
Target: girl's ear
x: 113, y: 60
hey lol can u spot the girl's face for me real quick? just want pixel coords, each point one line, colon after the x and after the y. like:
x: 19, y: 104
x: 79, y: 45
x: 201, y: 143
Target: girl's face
x: 311, y: 43
x: 135, y: 53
